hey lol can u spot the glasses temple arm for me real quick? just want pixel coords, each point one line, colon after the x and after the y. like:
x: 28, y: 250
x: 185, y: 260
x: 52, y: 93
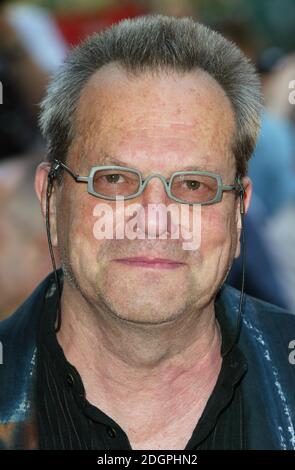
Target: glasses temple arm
x: 59, y: 164
x: 230, y: 187
x: 238, y: 186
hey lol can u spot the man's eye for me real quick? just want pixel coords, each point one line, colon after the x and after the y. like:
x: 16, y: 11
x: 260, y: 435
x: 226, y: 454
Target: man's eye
x: 114, y: 178
x: 192, y: 185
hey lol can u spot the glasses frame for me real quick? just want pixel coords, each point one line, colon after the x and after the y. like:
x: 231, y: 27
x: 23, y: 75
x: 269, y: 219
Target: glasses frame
x: 144, y: 181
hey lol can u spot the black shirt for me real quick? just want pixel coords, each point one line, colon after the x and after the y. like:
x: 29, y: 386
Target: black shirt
x: 66, y: 420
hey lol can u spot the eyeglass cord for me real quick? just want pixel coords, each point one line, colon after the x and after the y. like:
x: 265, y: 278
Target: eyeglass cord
x: 239, y: 322
x: 51, y: 176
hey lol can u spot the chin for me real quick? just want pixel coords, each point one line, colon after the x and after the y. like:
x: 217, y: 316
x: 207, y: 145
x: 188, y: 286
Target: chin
x: 144, y: 308
x: 152, y: 318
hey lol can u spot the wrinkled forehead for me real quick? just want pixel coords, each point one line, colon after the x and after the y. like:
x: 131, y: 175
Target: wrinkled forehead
x: 168, y: 108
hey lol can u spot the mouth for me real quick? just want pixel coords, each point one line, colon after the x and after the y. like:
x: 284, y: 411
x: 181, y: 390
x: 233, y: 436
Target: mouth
x: 148, y: 262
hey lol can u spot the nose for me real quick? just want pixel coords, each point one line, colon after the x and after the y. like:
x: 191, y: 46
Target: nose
x: 154, y: 220
x: 154, y: 191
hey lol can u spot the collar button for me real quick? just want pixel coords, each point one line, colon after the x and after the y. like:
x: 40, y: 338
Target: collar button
x: 70, y: 379
x: 111, y: 432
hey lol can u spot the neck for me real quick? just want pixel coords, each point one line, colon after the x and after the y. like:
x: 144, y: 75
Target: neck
x: 165, y: 365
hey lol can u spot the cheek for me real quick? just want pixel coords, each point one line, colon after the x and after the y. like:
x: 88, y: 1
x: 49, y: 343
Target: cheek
x: 75, y: 231
x: 218, y: 243
x: 218, y: 231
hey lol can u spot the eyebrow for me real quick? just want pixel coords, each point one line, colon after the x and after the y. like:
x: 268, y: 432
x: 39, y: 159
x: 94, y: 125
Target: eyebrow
x: 110, y: 160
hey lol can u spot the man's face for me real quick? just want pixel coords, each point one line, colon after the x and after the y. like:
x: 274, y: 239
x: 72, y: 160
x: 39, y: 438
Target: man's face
x: 157, y: 124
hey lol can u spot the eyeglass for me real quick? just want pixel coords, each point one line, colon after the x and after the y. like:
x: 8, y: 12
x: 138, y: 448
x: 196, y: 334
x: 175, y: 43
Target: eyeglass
x: 187, y: 187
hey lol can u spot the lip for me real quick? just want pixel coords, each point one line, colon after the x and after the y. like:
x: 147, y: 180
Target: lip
x: 149, y: 262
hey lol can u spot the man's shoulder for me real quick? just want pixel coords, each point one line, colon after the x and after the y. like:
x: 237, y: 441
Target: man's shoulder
x: 25, y: 317
x: 18, y: 337
x: 267, y: 329
x: 253, y: 307
x: 266, y: 339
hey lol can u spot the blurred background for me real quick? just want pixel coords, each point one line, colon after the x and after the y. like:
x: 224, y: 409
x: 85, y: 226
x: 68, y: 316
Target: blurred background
x: 34, y: 39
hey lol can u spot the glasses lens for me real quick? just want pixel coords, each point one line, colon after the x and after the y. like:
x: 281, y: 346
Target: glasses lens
x: 115, y: 182
x: 194, y: 187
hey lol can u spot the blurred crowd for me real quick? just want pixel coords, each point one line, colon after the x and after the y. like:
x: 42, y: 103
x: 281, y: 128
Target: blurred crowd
x: 33, y: 42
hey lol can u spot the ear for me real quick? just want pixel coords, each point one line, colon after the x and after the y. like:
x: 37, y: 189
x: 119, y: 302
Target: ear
x: 243, y: 205
x: 41, y: 184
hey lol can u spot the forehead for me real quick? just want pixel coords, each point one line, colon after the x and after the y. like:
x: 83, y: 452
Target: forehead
x: 177, y: 116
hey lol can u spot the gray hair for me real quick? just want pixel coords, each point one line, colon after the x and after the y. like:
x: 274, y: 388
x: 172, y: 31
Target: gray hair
x: 155, y: 43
